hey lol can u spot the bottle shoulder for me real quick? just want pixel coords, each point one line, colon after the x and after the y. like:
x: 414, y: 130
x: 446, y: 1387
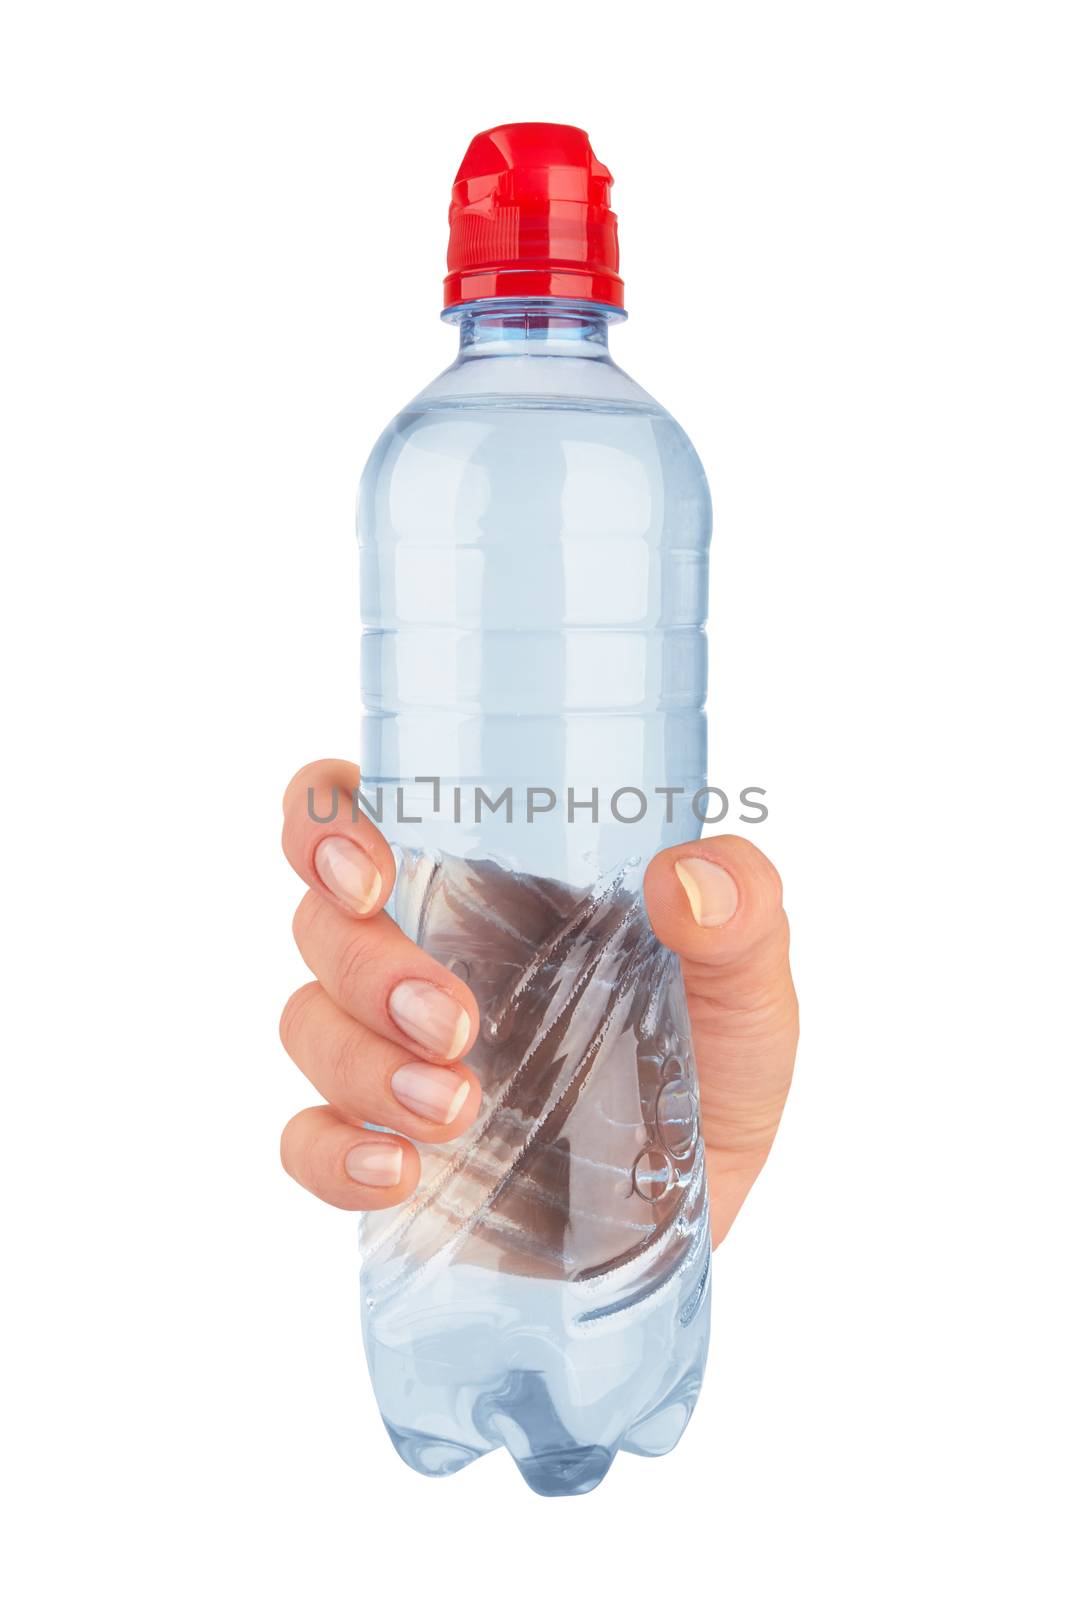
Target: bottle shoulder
x: 576, y: 438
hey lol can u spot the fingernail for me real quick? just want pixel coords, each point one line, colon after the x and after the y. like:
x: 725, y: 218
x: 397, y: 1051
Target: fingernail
x: 430, y: 1017
x: 431, y: 1092
x: 349, y: 872
x: 711, y: 891
x: 379, y: 1165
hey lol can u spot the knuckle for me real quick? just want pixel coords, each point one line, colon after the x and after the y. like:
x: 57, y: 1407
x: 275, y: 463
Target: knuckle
x: 308, y: 1156
x: 289, y: 1143
x: 349, y: 1069
x: 305, y: 916
x: 325, y: 1175
x: 293, y: 1144
x: 354, y: 960
x: 309, y: 775
x: 324, y: 775
x: 311, y: 1162
x: 294, y: 1013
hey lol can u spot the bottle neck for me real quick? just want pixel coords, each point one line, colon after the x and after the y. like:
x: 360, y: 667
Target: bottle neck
x: 536, y: 327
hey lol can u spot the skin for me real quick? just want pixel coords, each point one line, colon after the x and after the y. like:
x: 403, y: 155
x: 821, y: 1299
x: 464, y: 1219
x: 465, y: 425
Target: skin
x: 342, y: 1034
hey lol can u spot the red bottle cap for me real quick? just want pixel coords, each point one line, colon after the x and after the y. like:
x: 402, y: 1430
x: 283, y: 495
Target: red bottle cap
x: 531, y: 215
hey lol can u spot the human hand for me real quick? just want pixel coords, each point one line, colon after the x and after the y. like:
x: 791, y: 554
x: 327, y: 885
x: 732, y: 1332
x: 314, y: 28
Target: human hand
x: 382, y: 1030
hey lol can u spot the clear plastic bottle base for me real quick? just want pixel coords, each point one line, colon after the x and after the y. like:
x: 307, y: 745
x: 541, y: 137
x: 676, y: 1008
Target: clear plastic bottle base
x: 522, y: 1419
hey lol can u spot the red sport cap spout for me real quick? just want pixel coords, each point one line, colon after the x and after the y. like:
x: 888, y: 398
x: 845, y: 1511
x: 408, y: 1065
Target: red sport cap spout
x: 531, y: 216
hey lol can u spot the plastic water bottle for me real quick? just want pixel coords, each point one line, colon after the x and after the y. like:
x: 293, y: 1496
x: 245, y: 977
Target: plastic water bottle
x: 534, y: 533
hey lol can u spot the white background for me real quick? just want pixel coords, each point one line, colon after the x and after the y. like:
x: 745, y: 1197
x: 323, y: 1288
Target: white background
x: 842, y: 234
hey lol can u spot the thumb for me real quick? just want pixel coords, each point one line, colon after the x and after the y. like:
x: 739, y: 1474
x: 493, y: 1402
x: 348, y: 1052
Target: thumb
x: 718, y: 904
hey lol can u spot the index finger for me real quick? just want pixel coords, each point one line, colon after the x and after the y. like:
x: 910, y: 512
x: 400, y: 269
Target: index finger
x: 333, y: 845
